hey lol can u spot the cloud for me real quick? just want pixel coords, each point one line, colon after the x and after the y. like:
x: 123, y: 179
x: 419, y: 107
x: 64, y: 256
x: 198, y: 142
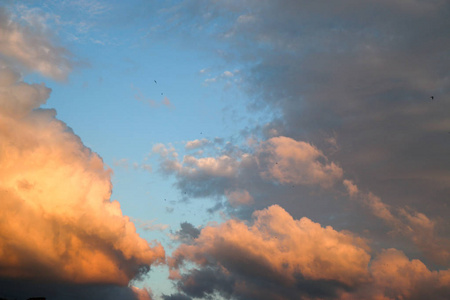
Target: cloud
x: 142, y: 294
x: 191, y: 145
x: 176, y: 297
x: 344, y: 71
x: 407, y: 222
x: 280, y: 160
x: 239, y: 197
x: 187, y: 233
x: 30, y: 48
x: 296, y: 162
x: 274, y: 249
x: 58, y: 221
x: 149, y: 225
x: 278, y: 257
x: 397, y: 277
x: 225, y: 76
x: 26, y: 289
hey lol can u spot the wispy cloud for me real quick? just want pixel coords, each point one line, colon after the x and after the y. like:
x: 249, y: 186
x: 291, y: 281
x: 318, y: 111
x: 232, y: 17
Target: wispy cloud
x: 30, y: 48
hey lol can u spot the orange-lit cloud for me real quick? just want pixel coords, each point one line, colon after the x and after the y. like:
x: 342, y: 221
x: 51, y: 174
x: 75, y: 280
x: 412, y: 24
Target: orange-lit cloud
x: 58, y: 222
x: 277, y: 249
x: 280, y: 160
x: 395, y: 276
x: 142, y: 294
x: 407, y: 222
x: 278, y: 257
x: 295, y: 162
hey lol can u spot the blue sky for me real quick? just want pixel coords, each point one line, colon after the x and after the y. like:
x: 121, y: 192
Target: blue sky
x: 262, y: 149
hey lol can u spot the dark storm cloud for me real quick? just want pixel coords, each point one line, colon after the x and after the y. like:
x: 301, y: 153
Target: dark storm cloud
x: 24, y: 289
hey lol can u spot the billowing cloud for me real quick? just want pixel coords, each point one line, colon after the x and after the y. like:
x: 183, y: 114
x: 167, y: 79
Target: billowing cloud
x: 279, y: 160
x: 395, y: 276
x: 295, y: 162
x: 30, y: 48
x: 58, y: 221
x: 274, y: 250
x: 278, y: 257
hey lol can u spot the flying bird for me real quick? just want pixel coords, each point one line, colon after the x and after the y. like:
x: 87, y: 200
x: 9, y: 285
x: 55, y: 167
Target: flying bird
x: 155, y: 81
x: 432, y: 97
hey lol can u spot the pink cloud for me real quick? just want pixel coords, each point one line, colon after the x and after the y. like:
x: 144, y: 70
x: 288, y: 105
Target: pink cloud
x: 280, y: 247
x: 295, y: 162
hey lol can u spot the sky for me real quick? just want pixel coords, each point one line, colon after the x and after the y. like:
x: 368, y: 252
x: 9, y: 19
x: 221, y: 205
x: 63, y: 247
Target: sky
x: 252, y: 149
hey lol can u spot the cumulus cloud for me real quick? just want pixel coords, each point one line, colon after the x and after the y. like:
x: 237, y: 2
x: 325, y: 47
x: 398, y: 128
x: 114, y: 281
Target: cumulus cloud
x: 58, y: 221
x: 279, y: 160
x: 278, y: 257
x: 30, y: 48
x: 395, y: 276
x: 274, y: 250
x: 296, y: 162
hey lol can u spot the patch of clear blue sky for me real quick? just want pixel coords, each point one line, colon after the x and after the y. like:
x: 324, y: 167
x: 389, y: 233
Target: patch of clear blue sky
x: 121, y: 56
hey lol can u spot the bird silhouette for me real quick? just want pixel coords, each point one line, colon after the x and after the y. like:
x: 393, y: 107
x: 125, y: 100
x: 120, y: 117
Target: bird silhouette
x: 432, y: 97
x: 155, y: 81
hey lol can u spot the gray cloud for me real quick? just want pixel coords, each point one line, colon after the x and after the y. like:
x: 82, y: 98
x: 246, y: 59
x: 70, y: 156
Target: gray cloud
x: 24, y: 289
x: 357, y: 74
x: 355, y: 80
x: 177, y: 296
x: 188, y: 231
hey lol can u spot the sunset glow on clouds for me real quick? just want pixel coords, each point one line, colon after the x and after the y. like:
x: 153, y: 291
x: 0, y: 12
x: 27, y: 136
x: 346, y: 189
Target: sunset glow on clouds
x: 57, y: 215
x: 58, y: 221
x: 265, y: 150
x: 279, y: 256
